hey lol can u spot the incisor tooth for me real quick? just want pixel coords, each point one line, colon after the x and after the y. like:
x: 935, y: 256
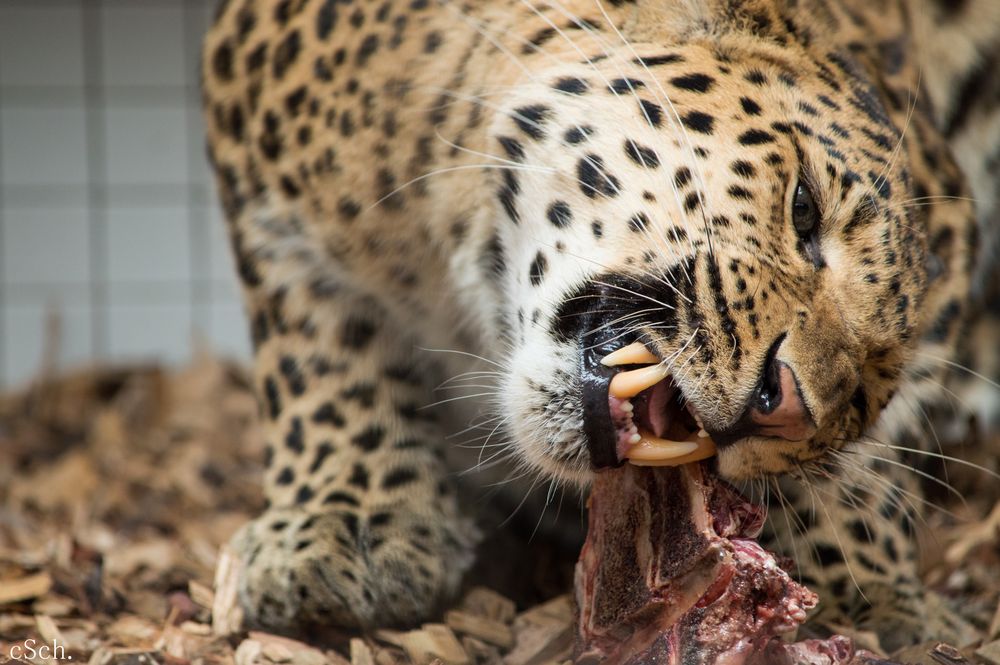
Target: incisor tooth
x: 631, y: 383
x: 634, y: 354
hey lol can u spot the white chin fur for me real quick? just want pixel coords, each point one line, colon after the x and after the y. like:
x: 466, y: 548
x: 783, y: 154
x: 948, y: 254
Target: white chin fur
x: 546, y: 431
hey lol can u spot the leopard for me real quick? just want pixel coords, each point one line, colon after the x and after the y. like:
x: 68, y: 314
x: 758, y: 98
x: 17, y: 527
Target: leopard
x: 445, y: 215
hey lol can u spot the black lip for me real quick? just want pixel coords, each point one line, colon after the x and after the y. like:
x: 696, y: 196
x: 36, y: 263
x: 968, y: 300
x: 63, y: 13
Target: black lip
x: 598, y: 429
x: 583, y: 319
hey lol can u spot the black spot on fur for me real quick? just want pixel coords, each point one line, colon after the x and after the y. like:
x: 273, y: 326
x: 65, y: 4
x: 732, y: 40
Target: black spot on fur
x: 641, y: 155
x: 341, y: 498
x: 682, y: 177
x: 652, y: 112
x: 304, y: 494
x: 743, y: 168
x: 399, y: 477
x: 624, y: 86
x: 653, y: 61
x: 369, y: 439
x: 531, y: 119
x: 594, y: 179
x: 512, y: 147
x: 348, y: 208
x: 508, y: 201
x: 222, y: 61
x: 827, y: 555
x: 638, y: 222
x: 750, y: 107
x: 741, y: 193
x: 537, y: 270
x: 323, y: 451
x: 571, y: 85
x: 272, y: 397
x: 699, y: 122
x: 327, y: 414
x: 285, y: 477
x: 359, y: 477
x: 367, y: 48
x: 293, y: 375
x: 755, y: 137
x: 357, y: 332
x: 286, y: 54
x: 693, y: 82
x: 362, y: 393
x: 326, y: 19
x: 295, y: 438
x: 577, y: 135
x: 432, y: 42
x: 559, y: 214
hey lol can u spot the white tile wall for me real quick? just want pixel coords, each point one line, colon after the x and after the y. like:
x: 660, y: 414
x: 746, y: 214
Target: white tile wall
x: 148, y: 245
x: 142, y: 44
x: 107, y: 214
x: 146, y: 145
x: 45, y: 246
x: 151, y: 331
x: 50, y: 34
x: 42, y: 145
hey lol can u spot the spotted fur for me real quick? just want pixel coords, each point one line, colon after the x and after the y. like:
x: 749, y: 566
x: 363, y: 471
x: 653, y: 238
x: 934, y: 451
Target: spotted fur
x: 522, y: 181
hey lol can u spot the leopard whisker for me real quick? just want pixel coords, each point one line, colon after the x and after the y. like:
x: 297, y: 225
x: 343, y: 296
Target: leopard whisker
x: 452, y: 169
x: 467, y: 354
x: 907, y: 467
x: 928, y: 453
x: 840, y: 543
x: 958, y: 366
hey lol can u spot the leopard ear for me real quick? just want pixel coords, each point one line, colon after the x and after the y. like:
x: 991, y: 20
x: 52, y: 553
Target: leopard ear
x: 671, y: 21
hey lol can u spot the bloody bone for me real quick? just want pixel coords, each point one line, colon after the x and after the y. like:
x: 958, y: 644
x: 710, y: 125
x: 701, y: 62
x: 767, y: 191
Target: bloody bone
x: 671, y: 574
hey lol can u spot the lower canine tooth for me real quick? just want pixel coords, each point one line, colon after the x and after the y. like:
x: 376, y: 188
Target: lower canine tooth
x: 702, y: 434
x: 633, y: 354
x: 654, y: 451
x: 629, y: 384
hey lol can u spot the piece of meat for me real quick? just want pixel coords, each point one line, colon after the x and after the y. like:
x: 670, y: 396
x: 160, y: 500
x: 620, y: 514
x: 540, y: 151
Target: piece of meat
x: 671, y: 574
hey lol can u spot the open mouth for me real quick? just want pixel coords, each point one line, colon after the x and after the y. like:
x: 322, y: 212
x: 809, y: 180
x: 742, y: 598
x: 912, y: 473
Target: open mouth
x: 651, y: 423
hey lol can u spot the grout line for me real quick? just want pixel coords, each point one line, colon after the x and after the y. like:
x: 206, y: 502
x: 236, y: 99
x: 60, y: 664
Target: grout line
x: 197, y: 219
x: 4, y: 342
x: 97, y: 171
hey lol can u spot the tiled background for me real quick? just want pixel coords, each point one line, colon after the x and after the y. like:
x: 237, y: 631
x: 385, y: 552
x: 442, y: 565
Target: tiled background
x: 107, y: 213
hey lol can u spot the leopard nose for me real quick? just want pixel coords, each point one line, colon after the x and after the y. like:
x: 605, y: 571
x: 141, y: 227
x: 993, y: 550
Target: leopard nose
x: 778, y: 409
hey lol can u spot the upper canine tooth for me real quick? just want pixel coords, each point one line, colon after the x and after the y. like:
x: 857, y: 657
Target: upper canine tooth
x: 635, y: 353
x: 629, y: 384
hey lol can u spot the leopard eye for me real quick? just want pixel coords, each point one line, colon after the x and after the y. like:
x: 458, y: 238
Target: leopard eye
x: 805, y: 216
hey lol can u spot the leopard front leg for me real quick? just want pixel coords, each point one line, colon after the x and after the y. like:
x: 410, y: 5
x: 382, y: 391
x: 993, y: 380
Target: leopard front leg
x: 850, y: 528
x: 363, y: 527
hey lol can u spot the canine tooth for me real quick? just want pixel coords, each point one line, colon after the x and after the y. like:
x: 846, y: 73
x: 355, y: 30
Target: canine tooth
x: 702, y: 434
x: 654, y: 451
x: 635, y: 353
x: 628, y: 407
x: 629, y: 384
